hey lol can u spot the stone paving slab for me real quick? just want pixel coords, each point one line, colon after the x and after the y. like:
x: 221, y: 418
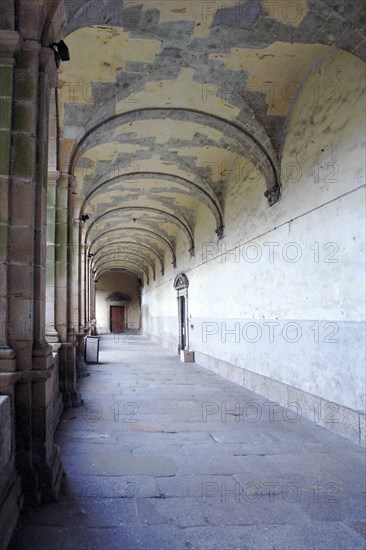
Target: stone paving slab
x: 186, y: 467
x: 127, y: 487
x: 193, y: 485
x: 112, y: 464
x: 322, y: 535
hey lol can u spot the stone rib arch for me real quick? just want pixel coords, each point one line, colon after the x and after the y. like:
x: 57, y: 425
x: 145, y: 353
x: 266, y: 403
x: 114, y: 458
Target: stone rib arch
x: 146, y: 232
x: 182, y: 224
x: 97, y: 261
x: 134, y: 244
x: 125, y: 269
x: 207, y: 197
x: 112, y: 265
x: 209, y: 119
x: 237, y: 16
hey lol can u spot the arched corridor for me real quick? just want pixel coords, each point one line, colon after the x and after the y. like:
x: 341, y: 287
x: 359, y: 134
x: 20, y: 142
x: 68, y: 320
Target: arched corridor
x: 190, y: 173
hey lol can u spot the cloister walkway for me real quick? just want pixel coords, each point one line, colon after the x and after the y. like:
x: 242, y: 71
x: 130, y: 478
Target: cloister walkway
x: 167, y: 455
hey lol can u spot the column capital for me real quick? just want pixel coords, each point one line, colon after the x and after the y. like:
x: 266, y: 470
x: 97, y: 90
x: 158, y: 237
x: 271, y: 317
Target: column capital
x: 63, y: 180
x: 42, y: 358
x: 53, y: 177
x: 31, y: 45
x: 7, y: 360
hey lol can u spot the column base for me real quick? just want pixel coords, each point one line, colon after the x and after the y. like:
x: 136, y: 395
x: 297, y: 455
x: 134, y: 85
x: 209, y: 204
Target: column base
x: 71, y: 399
x: 43, y: 484
x: 68, y: 385
x: 50, y: 479
x: 81, y: 367
x: 11, y: 500
x: 52, y: 337
x: 42, y: 357
x: 8, y: 361
x: 10, y: 507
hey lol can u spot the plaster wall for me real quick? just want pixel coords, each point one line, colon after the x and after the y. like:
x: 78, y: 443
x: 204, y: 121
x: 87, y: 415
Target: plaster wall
x: 282, y: 294
x: 117, y: 282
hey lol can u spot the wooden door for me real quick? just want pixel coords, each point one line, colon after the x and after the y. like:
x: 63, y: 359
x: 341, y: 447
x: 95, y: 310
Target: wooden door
x: 117, y: 318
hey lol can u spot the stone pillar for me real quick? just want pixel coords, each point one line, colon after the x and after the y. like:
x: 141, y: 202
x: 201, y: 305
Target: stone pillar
x: 82, y: 282
x: 9, y: 42
x: 46, y: 397
x: 61, y: 234
x: 73, y: 262
x: 42, y: 351
x: 75, y: 265
x: 87, y: 290
x: 92, y: 296
x: 67, y: 359
x: 52, y: 335
x: 21, y: 257
x: 37, y: 457
x: 11, y: 499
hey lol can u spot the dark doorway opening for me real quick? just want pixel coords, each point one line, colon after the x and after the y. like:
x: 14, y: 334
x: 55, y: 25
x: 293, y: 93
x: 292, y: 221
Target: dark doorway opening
x: 117, y: 319
x: 182, y: 322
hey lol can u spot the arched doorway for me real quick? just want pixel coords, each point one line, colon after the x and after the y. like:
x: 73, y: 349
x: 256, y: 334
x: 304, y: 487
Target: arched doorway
x: 181, y: 284
x: 117, y: 305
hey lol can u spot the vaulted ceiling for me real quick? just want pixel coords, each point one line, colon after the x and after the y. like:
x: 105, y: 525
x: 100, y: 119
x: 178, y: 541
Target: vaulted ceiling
x: 160, y: 100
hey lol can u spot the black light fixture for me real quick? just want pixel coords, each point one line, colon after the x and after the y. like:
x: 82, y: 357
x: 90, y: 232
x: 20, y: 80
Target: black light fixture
x: 61, y: 52
x: 84, y: 217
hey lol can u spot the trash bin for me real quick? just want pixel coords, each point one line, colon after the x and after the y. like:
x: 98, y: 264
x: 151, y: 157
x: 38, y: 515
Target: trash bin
x: 91, y: 349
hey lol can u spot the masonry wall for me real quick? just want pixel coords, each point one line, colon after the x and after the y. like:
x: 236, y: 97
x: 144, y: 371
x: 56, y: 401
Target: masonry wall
x: 117, y: 282
x: 277, y: 304
x: 11, y: 499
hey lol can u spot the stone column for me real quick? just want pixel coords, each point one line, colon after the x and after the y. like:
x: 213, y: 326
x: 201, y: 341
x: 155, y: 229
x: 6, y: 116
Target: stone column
x: 75, y: 265
x: 10, y: 483
x: 61, y: 234
x: 52, y: 335
x: 67, y: 360
x: 37, y: 457
x: 46, y: 397
x: 92, y: 296
x: 21, y: 256
x: 9, y: 42
x: 42, y: 351
x: 87, y: 290
x: 82, y: 282
x: 73, y: 262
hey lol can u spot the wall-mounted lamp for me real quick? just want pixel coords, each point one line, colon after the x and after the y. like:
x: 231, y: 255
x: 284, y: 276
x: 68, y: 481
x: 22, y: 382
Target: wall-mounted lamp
x: 61, y: 52
x: 84, y: 217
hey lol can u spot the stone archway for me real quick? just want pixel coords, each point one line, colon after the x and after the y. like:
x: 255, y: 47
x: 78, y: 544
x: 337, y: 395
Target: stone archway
x: 181, y: 284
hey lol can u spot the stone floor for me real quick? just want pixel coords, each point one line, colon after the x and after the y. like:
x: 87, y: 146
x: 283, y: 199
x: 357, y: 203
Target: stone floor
x: 167, y: 455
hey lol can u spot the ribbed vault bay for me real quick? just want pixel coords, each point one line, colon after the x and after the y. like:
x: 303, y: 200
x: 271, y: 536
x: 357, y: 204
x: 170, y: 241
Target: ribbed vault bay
x: 162, y: 101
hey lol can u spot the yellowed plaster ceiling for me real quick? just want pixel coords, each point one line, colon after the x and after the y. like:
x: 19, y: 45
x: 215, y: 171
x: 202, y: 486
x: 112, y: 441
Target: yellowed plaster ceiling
x: 277, y: 71
x: 177, y: 93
